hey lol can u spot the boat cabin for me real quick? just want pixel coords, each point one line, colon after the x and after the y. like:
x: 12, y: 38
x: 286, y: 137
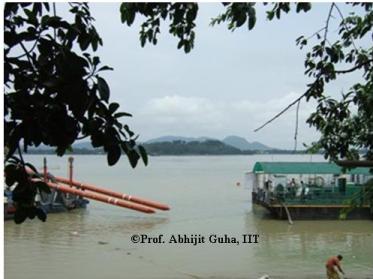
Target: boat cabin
x: 305, y: 182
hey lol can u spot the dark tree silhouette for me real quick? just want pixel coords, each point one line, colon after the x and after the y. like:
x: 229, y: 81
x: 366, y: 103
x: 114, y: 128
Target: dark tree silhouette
x: 55, y: 95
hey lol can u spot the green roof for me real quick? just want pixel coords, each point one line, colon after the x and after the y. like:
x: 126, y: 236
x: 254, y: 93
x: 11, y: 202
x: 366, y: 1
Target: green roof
x: 304, y: 168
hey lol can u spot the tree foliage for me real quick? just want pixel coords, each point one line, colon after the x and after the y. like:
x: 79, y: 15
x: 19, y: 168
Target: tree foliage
x: 55, y: 93
x: 180, y: 15
x: 344, y: 131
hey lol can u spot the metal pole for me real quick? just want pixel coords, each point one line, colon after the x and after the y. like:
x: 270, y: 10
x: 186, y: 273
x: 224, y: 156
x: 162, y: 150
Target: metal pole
x: 71, y: 160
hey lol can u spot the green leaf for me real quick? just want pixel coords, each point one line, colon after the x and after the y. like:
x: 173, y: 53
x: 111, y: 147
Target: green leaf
x: 84, y: 41
x: 96, y: 60
x: 46, y: 5
x: 252, y: 18
x: 42, y: 186
x: 94, y: 43
x: 10, y: 174
x: 187, y: 47
x: 121, y: 114
x: 180, y: 44
x: 143, y: 154
x: 133, y: 158
x: 105, y: 68
x: 14, y: 138
x: 270, y: 15
x: 143, y: 40
x: 113, y: 154
x: 241, y: 18
x: 54, y: 21
x: 113, y: 107
x: 20, y: 215
x: 10, y: 180
x: 103, y: 89
x: 32, y: 212
x: 332, y: 54
x: 192, y: 14
x: 40, y: 213
x: 128, y: 130
x: 303, y: 7
x: 122, y: 10
x: 127, y: 13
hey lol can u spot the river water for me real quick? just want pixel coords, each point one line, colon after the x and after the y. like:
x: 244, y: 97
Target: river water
x: 205, y: 201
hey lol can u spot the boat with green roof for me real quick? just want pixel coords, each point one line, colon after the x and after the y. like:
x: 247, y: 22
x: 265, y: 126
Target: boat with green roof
x: 310, y: 190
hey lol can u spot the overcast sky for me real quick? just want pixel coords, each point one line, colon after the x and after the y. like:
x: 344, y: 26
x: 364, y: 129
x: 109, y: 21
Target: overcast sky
x: 230, y: 83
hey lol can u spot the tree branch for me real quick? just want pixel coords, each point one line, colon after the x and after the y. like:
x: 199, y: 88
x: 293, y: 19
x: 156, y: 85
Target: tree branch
x: 82, y: 137
x: 28, y: 51
x: 345, y: 25
x: 287, y: 108
x: 28, y: 56
x: 354, y: 68
x: 316, y: 33
x: 326, y: 28
x: 296, y: 127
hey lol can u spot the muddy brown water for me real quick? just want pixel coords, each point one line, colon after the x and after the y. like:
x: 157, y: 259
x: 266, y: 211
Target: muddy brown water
x: 206, y: 205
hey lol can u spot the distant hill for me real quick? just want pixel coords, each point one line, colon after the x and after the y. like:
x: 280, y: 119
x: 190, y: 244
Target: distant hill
x: 235, y: 141
x: 243, y: 144
x: 177, y: 138
x: 176, y: 145
x: 206, y: 147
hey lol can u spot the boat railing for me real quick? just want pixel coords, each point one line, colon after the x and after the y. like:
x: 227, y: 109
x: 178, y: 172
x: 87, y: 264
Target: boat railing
x: 318, y: 195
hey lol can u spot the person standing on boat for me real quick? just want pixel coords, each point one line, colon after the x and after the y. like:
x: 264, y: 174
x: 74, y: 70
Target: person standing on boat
x: 292, y: 187
x: 332, y: 264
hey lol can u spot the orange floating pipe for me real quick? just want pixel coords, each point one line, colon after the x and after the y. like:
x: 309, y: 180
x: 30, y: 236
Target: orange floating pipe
x: 123, y: 196
x: 114, y: 194
x: 101, y: 198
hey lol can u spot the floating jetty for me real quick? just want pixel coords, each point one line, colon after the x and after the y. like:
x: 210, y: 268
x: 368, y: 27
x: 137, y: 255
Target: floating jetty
x: 67, y: 194
x: 316, y: 190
